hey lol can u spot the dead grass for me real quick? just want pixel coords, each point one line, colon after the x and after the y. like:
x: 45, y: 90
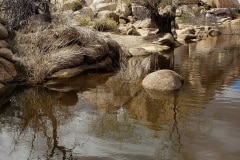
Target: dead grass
x: 36, y: 52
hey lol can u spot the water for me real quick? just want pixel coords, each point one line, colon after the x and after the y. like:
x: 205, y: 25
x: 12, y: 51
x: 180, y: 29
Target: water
x: 111, y: 117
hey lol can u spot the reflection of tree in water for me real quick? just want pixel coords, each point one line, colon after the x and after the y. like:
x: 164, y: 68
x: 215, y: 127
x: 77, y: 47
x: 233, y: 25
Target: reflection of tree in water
x: 40, y: 112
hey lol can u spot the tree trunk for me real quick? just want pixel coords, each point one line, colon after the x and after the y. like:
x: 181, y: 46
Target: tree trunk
x: 165, y: 21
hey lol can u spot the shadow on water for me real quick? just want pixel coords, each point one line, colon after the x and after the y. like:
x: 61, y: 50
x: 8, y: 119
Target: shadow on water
x: 105, y: 116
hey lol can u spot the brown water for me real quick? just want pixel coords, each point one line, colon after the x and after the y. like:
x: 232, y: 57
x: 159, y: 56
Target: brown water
x: 110, y: 117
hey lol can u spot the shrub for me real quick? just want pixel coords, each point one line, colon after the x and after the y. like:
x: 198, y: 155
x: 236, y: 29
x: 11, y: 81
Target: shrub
x: 105, y: 25
x: 76, y: 6
x: 83, y: 20
x: 17, y: 11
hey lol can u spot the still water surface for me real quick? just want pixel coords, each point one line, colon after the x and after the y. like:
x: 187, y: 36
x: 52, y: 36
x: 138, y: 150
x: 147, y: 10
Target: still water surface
x: 111, y: 117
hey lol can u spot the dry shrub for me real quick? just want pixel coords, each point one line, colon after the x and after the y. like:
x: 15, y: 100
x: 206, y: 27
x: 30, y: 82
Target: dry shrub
x: 37, y: 51
x: 83, y: 20
x: 106, y: 24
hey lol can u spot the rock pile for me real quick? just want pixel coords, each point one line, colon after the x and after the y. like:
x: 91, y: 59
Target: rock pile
x: 7, y: 68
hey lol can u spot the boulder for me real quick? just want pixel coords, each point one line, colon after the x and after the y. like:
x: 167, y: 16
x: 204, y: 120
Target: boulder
x: 188, y: 30
x: 187, y: 37
x: 133, y: 31
x: 232, y: 27
x: 63, y: 58
x: 73, y: 5
x: 3, y: 44
x: 166, y: 39
x: 145, y: 23
x: 123, y: 9
x: 6, y: 54
x: 97, y: 6
x: 108, y: 14
x: 224, y: 12
x: 7, y: 70
x: 86, y: 12
x: 222, y: 3
x: 214, y: 32
x: 3, y: 32
x: 140, y: 12
x: 3, y: 21
x: 163, y: 80
x: 74, y: 71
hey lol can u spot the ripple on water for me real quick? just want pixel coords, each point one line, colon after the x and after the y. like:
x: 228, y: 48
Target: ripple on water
x: 230, y: 94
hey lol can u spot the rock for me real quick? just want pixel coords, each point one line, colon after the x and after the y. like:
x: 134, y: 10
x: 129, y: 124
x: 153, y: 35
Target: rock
x: 187, y: 37
x: 223, y: 20
x: 123, y: 9
x: 6, y: 54
x: 3, y: 44
x: 133, y: 31
x: 74, y: 71
x: 7, y: 70
x: 222, y: 3
x: 232, y: 27
x: 85, y: 11
x: 66, y: 48
x: 155, y: 48
x: 108, y: 14
x: 63, y: 58
x: 88, y: 2
x: 140, y: 12
x: 147, y: 49
x: 214, y: 32
x: 94, y: 53
x: 138, y: 52
x: 188, y: 30
x: 163, y: 80
x: 3, y: 32
x: 3, y: 21
x: 145, y: 23
x: 167, y: 39
x: 97, y: 6
x: 224, y: 12
x: 73, y: 5
x: 115, y: 50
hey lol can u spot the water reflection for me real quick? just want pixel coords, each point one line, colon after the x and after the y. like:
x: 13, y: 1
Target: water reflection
x: 112, y: 117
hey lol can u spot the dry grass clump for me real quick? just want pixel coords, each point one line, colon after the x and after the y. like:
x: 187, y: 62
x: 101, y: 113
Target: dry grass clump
x: 105, y: 25
x: 76, y: 5
x: 47, y: 51
x: 83, y: 20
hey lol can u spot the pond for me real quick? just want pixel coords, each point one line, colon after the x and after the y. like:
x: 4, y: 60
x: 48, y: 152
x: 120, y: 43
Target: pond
x: 111, y: 117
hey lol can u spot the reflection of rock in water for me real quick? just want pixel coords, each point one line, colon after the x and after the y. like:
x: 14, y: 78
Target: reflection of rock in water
x: 139, y: 66
x: 208, y: 64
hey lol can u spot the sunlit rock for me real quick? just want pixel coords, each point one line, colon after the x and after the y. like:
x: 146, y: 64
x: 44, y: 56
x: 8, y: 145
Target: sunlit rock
x: 167, y: 39
x: 133, y: 31
x: 165, y: 80
x: 214, y: 32
x: 140, y: 12
x: 98, y: 6
x: 231, y: 27
x: 108, y: 14
x: 86, y: 12
x: 123, y: 9
x: 222, y: 3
